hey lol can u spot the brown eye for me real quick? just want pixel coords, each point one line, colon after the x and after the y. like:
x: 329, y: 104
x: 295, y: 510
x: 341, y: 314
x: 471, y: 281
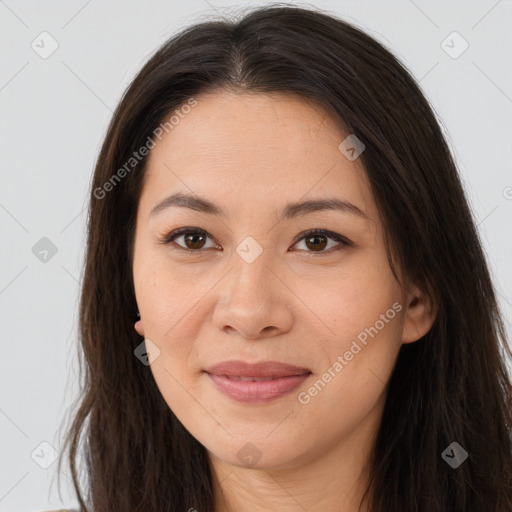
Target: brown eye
x: 193, y: 239
x: 316, y: 242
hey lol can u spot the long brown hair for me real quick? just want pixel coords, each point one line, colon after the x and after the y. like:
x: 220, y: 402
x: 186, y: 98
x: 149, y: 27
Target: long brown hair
x: 450, y: 386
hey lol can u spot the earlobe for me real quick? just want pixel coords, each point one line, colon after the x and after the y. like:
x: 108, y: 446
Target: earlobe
x: 139, y: 327
x: 420, y: 314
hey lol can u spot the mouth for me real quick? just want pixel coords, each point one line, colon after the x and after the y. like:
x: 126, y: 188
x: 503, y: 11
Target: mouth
x: 239, y: 378
x: 257, y: 382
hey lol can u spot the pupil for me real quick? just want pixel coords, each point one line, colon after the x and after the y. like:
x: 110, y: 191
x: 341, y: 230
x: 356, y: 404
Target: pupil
x: 191, y: 238
x: 316, y: 237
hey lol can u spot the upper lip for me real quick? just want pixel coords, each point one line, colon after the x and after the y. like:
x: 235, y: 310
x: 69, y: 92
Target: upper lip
x: 237, y: 368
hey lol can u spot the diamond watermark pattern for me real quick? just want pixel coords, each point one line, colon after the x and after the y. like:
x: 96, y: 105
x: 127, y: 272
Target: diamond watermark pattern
x: 454, y: 45
x: 249, y: 249
x: 44, y: 250
x: 351, y: 147
x: 454, y: 455
x: 147, y: 352
x: 249, y: 454
x: 44, y: 455
x: 44, y: 45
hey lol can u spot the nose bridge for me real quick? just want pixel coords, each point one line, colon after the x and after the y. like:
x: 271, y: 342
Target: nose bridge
x: 251, y: 299
x: 251, y: 272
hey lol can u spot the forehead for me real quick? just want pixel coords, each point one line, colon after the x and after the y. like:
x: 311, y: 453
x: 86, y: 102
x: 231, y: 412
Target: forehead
x: 249, y: 123
x: 245, y: 148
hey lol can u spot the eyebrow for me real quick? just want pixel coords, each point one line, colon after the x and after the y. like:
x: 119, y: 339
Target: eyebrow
x: 290, y: 211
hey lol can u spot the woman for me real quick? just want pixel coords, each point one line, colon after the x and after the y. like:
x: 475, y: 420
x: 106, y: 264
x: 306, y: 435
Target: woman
x: 286, y: 305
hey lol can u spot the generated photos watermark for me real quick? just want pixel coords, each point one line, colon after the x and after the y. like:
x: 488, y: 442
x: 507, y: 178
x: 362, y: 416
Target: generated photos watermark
x: 143, y: 151
x: 304, y: 397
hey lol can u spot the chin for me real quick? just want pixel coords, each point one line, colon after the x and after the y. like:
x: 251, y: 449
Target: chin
x: 253, y: 452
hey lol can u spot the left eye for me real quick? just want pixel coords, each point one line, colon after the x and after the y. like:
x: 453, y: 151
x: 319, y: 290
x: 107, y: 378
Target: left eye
x: 317, y: 239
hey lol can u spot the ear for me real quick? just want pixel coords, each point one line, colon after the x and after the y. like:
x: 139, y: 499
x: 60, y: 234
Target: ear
x: 139, y: 327
x: 420, y: 314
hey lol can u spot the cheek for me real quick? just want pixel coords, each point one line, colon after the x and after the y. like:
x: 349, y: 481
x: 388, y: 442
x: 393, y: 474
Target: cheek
x: 173, y: 307
x: 360, y: 335
x: 352, y: 384
x: 351, y: 298
x: 165, y: 293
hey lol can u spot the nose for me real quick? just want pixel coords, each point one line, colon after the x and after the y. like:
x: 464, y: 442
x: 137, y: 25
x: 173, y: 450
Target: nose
x: 254, y: 301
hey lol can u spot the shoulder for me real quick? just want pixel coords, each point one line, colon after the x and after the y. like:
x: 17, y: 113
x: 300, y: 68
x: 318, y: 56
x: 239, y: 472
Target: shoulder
x: 62, y: 510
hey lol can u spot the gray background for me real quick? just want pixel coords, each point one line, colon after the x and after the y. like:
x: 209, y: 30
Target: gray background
x: 54, y: 113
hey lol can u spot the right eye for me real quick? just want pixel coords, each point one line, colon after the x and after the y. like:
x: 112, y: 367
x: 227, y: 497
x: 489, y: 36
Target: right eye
x: 193, y: 239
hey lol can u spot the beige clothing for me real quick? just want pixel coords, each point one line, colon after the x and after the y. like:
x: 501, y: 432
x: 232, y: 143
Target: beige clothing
x: 63, y: 510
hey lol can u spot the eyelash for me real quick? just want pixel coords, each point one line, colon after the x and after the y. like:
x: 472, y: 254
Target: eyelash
x: 344, y: 242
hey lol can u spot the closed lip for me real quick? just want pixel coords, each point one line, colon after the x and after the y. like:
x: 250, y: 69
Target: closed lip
x: 264, y: 369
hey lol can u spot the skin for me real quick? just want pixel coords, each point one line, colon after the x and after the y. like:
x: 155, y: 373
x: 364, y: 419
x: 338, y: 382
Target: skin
x: 251, y: 154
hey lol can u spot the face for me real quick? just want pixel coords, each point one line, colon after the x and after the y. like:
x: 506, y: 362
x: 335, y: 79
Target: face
x: 247, y: 280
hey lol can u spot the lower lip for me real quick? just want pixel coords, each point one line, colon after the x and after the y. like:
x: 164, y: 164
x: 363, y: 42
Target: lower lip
x: 257, y: 392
